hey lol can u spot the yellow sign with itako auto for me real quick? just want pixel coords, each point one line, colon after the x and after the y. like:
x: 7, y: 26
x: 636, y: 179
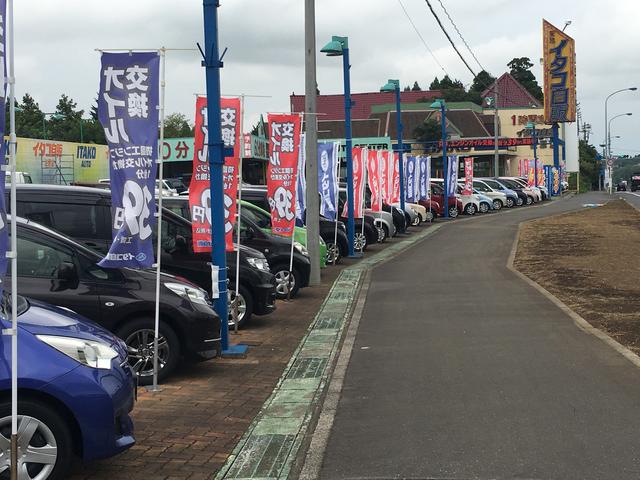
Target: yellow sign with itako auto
x: 559, y: 58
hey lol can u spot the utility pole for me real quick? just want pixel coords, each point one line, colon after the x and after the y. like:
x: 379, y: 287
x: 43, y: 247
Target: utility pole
x: 311, y: 131
x: 496, y: 155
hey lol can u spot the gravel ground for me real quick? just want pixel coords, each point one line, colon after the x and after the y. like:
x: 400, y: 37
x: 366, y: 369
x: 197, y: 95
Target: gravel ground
x: 590, y: 259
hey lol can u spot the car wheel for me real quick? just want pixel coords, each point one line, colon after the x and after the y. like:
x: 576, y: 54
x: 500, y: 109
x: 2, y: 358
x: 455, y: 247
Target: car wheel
x: 286, y: 280
x: 44, y: 440
x: 381, y: 234
x: 484, y: 207
x: 497, y: 204
x: 430, y: 216
x: 529, y: 200
x: 519, y: 202
x: 360, y: 242
x: 139, y: 334
x: 453, y: 212
x: 416, y: 221
x: 470, y: 209
x: 333, y: 253
x: 510, y: 202
x: 385, y: 229
x: 245, y: 306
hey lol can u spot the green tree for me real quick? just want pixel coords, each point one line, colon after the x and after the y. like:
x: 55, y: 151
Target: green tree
x: 428, y: 131
x: 435, y: 85
x: 521, y: 71
x: 407, y: 88
x: 416, y: 87
x: 64, y: 124
x: 28, y: 117
x: 482, y: 81
x: 92, y: 129
x: 589, y: 166
x: 176, y: 125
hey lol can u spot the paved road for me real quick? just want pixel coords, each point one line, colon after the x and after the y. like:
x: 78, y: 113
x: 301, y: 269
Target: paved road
x: 632, y: 197
x: 460, y: 370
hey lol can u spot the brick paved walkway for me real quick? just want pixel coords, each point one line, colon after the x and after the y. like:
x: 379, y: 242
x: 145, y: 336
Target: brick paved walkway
x: 188, y: 430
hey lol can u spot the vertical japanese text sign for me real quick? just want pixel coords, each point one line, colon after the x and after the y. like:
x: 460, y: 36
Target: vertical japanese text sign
x: 4, y: 230
x: 385, y: 162
x: 452, y: 181
x: 394, y: 178
x: 284, y: 133
x: 559, y: 75
x: 199, y: 189
x: 410, y: 170
x: 357, y: 157
x: 373, y: 172
x: 468, y: 176
x: 128, y: 112
x: 424, y: 177
x: 328, y: 179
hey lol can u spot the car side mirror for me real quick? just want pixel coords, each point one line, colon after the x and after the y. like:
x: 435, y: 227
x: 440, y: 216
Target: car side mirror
x: 66, y: 276
x: 181, y: 244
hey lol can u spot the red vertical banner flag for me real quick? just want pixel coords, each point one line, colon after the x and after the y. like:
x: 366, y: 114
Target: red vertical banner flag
x: 358, y: 161
x: 199, y: 188
x: 394, y: 178
x: 284, y: 144
x: 373, y: 177
x: 468, y: 176
x: 384, y: 175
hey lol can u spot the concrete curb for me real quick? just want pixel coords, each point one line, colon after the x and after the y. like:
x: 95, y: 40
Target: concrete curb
x: 271, y: 446
x: 580, y: 322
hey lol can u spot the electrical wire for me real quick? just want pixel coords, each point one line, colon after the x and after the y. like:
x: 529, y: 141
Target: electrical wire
x: 460, y: 35
x: 422, y: 38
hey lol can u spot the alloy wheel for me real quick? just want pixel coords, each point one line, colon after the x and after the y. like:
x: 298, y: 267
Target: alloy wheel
x: 360, y: 241
x: 519, y: 202
x: 484, y: 208
x: 285, y: 281
x: 140, y: 349
x: 453, y: 212
x: 382, y: 235
x: 37, y: 448
x: 509, y: 202
x: 333, y: 253
x: 497, y: 204
x: 242, y: 306
x: 430, y: 216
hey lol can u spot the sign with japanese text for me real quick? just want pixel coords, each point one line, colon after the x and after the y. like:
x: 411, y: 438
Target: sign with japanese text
x: 328, y: 179
x: 359, y: 171
x: 199, y: 188
x: 531, y: 178
x: 4, y: 228
x: 452, y: 175
x: 410, y: 178
x: 128, y: 112
x: 485, y: 143
x: 468, y: 176
x: 374, y: 158
x: 177, y: 149
x: 284, y: 142
x: 385, y: 161
x: 541, y: 179
x: 559, y: 75
x: 555, y: 185
x: 547, y: 176
x: 424, y: 177
x: 393, y: 184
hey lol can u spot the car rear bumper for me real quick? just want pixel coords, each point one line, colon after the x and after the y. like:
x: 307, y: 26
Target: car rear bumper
x: 264, y: 298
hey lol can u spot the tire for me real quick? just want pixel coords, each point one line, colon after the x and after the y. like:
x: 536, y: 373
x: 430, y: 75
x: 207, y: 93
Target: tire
x: 142, y: 330
x: 51, y: 433
x: 333, y: 254
x: 453, y: 212
x: 281, y: 271
x: 470, y: 209
x: 360, y: 242
x: 245, y: 306
x: 497, y: 204
x: 510, y: 203
x: 430, y: 216
x: 519, y: 202
x: 417, y: 220
x: 484, y: 207
x: 529, y: 200
x: 385, y: 228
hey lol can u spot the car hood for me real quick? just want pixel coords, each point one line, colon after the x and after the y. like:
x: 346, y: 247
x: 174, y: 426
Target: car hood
x: 44, y: 319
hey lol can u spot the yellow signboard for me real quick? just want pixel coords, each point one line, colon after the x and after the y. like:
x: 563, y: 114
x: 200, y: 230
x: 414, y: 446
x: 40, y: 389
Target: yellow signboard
x: 559, y: 75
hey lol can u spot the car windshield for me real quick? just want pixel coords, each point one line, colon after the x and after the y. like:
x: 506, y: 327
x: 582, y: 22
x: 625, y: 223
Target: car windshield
x: 5, y: 305
x: 493, y: 184
x: 481, y: 186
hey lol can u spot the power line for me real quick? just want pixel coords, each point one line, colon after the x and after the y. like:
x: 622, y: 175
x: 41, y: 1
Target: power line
x: 460, y: 35
x: 435, y: 15
x: 421, y: 37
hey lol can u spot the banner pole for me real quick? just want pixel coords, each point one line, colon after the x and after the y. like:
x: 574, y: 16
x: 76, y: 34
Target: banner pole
x: 239, y: 215
x: 365, y: 173
x: 14, y: 251
x: 154, y: 387
x: 336, y: 148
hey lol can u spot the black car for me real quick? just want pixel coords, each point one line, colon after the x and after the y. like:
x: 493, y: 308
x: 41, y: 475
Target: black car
x: 177, y: 184
x: 276, y: 249
x: 399, y: 219
x: 496, y: 183
x: 57, y: 270
x: 84, y: 214
x: 518, y: 188
x: 257, y: 195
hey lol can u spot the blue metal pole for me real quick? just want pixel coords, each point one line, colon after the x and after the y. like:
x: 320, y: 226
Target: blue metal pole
x: 556, y: 146
x: 445, y: 161
x: 351, y: 226
x: 212, y: 66
x: 535, y: 155
x: 400, y: 145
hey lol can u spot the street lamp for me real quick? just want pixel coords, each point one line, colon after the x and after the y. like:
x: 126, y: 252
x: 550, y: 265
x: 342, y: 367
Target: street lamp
x: 394, y: 86
x: 606, y: 117
x: 445, y: 161
x: 339, y: 47
x: 609, y: 146
x: 534, y: 136
x: 55, y: 116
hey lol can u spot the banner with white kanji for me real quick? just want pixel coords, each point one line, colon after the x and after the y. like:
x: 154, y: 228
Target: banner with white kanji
x: 393, y: 185
x: 424, y: 178
x: 128, y: 112
x: 328, y: 179
x: 373, y: 178
x: 358, y: 173
x: 410, y: 180
x: 200, y: 188
x: 284, y: 146
x: 468, y: 176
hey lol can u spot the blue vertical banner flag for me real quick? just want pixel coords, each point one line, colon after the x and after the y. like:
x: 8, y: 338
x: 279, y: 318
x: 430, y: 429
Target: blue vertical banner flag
x: 452, y: 175
x: 4, y: 227
x: 328, y: 179
x: 548, y: 175
x: 128, y: 111
x: 410, y: 178
x: 301, y: 182
x: 424, y: 177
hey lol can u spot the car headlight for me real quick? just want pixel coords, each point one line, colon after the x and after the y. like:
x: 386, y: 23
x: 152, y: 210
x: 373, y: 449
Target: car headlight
x: 87, y: 352
x: 301, y: 248
x: 259, y: 263
x: 195, y: 295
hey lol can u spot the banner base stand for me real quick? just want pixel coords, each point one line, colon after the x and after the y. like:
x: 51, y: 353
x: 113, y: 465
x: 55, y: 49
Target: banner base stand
x: 357, y: 255
x: 235, y: 351
x: 153, y: 389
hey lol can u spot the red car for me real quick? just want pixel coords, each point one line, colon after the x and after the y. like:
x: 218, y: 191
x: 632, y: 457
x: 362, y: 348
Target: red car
x: 431, y: 206
x: 437, y: 195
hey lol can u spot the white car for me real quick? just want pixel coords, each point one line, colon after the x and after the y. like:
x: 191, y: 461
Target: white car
x: 21, y: 177
x: 499, y: 199
x: 167, y: 191
x: 470, y: 204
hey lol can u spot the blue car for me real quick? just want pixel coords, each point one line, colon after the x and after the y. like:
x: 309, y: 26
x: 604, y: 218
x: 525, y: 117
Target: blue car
x: 512, y: 197
x: 76, y: 390
x: 486, y: 203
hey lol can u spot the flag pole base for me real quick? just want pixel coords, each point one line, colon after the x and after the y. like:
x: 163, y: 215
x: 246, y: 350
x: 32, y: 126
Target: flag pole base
x: 153, y: 388
x: 357, y: 255
x: 235, y: 351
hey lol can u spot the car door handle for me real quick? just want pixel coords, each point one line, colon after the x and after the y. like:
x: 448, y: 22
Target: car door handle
x: 109, y: 304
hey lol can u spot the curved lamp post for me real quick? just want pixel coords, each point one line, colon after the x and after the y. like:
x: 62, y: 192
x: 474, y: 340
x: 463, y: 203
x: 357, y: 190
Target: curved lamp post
x: 445, y: 161
x: 339, y: 47
x: 609, y: 146
x: 394, y: 86
x: 55, y: 116
x: 534, y: 136
x: 606, y: 118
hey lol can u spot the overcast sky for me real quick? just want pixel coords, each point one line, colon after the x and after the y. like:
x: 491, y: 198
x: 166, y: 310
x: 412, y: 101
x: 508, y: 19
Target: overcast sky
x: 55, y: 43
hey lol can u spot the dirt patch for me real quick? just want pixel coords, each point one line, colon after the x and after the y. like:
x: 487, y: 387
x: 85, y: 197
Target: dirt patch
x: 590, y: 260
